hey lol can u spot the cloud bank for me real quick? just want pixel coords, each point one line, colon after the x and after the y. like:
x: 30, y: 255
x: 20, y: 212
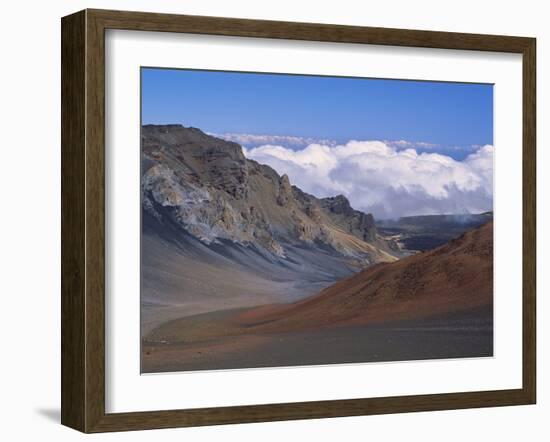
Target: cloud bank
x: 297, y: 142
x: 387, y: 180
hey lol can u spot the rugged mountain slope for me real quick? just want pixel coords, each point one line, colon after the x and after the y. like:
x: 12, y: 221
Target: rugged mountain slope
x: 215, y: 193
x: 455, y: 277
x: 221, y: 231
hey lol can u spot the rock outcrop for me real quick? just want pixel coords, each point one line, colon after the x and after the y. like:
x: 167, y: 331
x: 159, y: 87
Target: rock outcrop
x: 358, y: 223
x: 208, y: 187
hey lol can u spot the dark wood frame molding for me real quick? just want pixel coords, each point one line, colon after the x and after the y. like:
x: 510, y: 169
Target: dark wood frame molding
x: 83, y: 217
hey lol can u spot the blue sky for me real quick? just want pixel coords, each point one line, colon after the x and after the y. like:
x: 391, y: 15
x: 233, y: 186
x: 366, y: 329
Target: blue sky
x: 449, y: 115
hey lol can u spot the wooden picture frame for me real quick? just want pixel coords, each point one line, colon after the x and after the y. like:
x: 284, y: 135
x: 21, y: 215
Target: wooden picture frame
x: 83, y: 220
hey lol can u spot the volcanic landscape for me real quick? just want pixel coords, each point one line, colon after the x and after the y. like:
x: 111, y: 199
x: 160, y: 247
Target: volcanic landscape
x: 241, y: 269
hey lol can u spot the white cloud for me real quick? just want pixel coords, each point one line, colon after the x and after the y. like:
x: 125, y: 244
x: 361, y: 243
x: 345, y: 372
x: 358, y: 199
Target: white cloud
x: 387, y: 180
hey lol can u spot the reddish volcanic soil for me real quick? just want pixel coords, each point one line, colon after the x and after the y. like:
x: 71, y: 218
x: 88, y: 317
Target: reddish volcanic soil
x: 456, y: 276
x: 431, y: 305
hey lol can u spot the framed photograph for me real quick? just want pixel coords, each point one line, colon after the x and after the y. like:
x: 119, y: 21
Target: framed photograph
x: 270, y: 220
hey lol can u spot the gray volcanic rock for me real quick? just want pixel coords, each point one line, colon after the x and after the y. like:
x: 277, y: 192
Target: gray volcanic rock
x: 358, y: 223
x: 338, y: 204
x: 208, y: 187
x: 200, y: 157
x: 285, y: 191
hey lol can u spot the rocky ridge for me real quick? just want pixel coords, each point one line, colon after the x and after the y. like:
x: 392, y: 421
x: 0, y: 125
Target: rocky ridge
x: 208, y: 187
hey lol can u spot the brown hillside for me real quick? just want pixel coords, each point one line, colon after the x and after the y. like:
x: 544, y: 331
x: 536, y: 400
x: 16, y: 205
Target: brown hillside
x: 455, y: 277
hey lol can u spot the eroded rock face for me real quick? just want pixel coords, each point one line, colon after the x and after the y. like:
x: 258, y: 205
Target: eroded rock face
x: 357, y: 223
x: 284, y: 197
x: 211, y: 190
x: 338, y: 205
x: 218, y: 163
